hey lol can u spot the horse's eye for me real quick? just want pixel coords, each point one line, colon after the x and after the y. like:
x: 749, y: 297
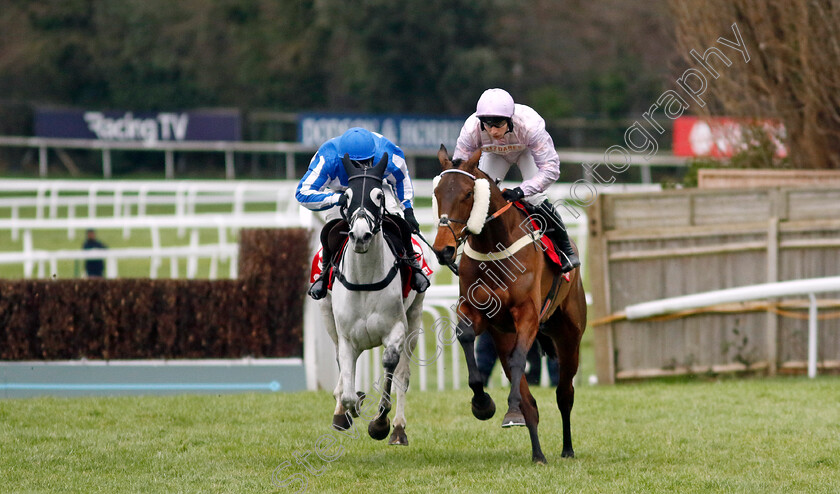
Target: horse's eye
x: 469, y: 194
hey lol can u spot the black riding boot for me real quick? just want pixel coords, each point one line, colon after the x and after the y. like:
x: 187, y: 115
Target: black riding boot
x: 419, y: 281
x: 556, y: 231
x: 318, y: 290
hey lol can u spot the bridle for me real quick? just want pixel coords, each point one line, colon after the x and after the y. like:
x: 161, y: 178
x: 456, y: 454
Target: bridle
x: 465, y: 232
x: 374, y: 222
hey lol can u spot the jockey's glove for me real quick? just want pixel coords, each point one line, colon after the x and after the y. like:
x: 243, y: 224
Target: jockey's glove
x: 513, y: 195
x: 342, y: 200
x: 411, y: 220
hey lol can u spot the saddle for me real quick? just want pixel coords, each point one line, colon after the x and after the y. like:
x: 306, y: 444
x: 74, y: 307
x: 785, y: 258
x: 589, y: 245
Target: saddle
x: 551, y: 250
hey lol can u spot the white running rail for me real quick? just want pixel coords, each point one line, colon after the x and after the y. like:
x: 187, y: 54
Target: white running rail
x: 810, y: 286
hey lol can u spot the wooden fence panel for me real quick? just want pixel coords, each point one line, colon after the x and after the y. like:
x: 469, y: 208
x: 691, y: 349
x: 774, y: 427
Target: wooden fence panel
x: 646, y: 247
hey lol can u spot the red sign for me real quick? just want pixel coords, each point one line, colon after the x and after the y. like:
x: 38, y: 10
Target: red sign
x: 721, y: 137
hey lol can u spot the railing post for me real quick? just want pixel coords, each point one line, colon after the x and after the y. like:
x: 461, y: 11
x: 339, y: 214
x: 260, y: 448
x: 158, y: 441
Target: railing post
x: 106, y: 162
x: 42, y: 161
x: 169, y: 164
x: 290, y: 165
x: 230, y: 173
x: 812, y: 336
x: 771, y: 334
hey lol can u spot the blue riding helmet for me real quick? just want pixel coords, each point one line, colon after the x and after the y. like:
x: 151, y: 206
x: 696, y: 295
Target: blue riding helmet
x: 358, y: 143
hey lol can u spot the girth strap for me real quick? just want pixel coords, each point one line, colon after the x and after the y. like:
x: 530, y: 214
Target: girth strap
x: 555, y: 285
x: 368, y: 287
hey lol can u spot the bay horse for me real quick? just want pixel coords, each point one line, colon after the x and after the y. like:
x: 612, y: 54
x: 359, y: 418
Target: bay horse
x: 507, y: 286
x: 366, y: 308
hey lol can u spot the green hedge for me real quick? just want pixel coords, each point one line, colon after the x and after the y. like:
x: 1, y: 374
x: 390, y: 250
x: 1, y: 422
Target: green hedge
x: 260, y: 314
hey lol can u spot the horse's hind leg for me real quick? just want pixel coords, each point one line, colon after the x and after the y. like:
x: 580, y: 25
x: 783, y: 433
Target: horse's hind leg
x: 568, y: 350
x: 483, y: 407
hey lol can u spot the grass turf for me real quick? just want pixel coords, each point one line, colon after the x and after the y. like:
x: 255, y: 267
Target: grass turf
x: 769, y: 435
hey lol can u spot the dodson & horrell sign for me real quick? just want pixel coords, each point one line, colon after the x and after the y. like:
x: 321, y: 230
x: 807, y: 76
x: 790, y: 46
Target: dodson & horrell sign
x: 408, y: 132
x: 146, y: 127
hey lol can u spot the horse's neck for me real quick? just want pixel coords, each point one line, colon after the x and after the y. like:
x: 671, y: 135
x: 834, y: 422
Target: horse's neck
x: 372, y: 265
x: 501, y: 231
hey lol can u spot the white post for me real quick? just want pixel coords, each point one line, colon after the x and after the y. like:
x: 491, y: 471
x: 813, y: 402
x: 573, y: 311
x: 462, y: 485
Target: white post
x: 440, y: 361
x: 28, y: 265
x: 421, y: 352
x: 54, y: 202
x: 92, y: 202
x: 812, y: 336
x: 456, y: 358
x: 15, y: 214
x: 42, y: 161
x: 192, y: 260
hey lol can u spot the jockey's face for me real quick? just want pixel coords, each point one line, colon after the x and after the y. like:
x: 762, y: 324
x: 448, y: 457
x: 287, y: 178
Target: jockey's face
x: 498, y: 130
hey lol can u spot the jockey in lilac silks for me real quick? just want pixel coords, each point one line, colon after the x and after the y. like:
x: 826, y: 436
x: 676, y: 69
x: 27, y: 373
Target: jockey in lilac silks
x: 507, y: 134
x: 322, y: 189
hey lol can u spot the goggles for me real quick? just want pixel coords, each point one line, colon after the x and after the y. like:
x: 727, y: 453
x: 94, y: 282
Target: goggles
x: 493, y: 122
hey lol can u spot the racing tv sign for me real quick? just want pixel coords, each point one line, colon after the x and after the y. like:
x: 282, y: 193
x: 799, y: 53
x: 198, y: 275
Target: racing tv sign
x: 408, y: 132
x: 149, y: 128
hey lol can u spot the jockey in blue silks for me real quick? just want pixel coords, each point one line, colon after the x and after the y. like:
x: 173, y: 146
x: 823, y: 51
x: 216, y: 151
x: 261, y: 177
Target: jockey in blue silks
x: 322, y: 189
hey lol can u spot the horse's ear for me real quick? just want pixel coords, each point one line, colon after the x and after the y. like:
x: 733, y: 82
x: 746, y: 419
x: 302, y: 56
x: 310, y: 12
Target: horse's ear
x: 473, y: 161
x: 379, y: 169
x: 348, y: 167
x: 443, y: 157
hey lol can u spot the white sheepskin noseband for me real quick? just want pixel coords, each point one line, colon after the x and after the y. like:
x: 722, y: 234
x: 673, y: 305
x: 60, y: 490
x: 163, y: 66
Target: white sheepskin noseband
x: 481, y: 201
x: 481, y: 205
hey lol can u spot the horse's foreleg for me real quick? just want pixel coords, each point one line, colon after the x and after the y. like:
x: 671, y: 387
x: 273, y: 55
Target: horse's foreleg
x: 483, y: 407
x: 347, y: 356
x: 529, y: 415
x: 381, y: 425
x: 526, y: 332
x: 414, y: 316
x: 398, y: 437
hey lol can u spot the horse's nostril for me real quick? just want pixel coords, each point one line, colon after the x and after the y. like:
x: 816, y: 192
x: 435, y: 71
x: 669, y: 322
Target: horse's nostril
x: 446, y: 254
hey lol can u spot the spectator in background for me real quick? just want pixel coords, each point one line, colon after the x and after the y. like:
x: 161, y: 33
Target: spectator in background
x: 95, y: 268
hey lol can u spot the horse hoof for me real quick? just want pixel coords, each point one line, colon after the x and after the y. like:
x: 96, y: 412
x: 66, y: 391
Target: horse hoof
x: 513, y: 419
x: 378, y: 429
x: 354, y: 410
x: 398, y: 437
x: 342, y: 422
x: 484, y: 408
x: 539, y: 459
x: 568, y: 453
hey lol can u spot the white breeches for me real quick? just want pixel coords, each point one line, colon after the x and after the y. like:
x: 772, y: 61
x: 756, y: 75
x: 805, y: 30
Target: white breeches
x: 497, y: 167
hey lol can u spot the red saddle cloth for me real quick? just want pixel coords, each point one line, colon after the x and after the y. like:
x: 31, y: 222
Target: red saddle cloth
x: 548, y: 244
x: 315, y: 272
